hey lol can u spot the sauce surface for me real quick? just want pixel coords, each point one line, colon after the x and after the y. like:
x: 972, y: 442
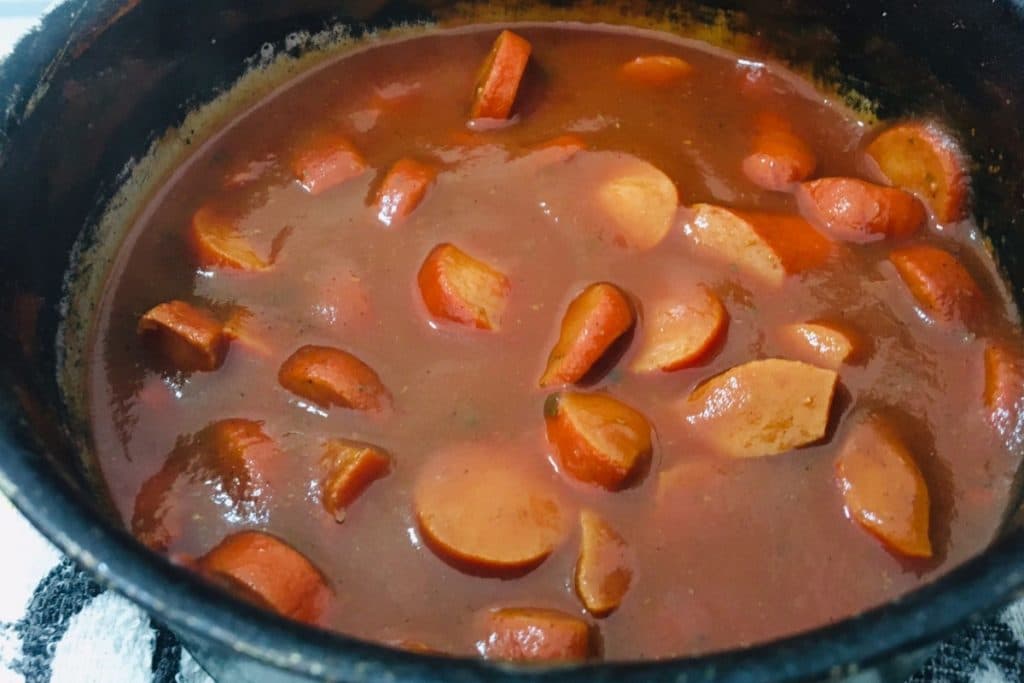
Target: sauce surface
x: 725, y: 551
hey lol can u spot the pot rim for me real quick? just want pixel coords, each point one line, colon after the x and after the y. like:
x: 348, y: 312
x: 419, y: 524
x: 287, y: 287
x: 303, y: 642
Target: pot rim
x: 182, y: 601
x: 188, y: 605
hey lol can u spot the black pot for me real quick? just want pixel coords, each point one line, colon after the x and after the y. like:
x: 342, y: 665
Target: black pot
x: 102, y: 79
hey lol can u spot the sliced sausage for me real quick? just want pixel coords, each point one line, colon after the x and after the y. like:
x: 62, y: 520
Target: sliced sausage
x: 765, y: 246
x: 234, y: 457
x: 499, y: 78
x: 216, y: 243
x: 271, y: 569
x: 604, y: 569
x: 778, y: 158
x: 527, y: 634
x: 942, y: 287
x: 763, y: 407
x: 883, y: 489
x: 598, y: 439
x: 640, y: 200
x: 1004, y: 390
x: 821, y: 343
x: 331, y: 377
x: 326, y: 159
x: 680, y: 331
x: 402, y: 189
x: 855, y: 210
x: 655, y: 70
x: 185, y: 336
x: 921, y: 158
x: 594, y: 320
x: 457, y: 287
x: 484, y: 517
x: 349, y: 467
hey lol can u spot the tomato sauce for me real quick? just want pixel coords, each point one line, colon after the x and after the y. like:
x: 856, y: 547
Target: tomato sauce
x: 722, y: 523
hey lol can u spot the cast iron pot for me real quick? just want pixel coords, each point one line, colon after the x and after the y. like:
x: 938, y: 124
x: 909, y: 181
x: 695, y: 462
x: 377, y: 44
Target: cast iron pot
x: 102, y: 79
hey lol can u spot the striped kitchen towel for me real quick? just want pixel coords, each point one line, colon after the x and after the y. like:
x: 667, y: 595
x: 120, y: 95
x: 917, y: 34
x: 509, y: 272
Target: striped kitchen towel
x: 57, y: 624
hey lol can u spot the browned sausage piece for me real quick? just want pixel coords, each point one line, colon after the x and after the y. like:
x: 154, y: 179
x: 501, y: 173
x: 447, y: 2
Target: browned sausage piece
x: 598, y: 439
x: 534, y: 635
x: 269, y: 568
x: 1004, y: 391
x: 217, y: 243
x: 766, y: 246
x: 679, y: 331
x: 331, y: 377
x: 855, y: 210
x: 825, y: 344
x: 598, y: 316
x: 186, y: 337
x: 604, y: 569
x: 499, y: 77
x: 763, y: 407
x: 883, y: 489
x: 923, y: 159
x: 463, y: 289
x: 640, y: 200
x: 326, y: 159
x: 349, y: 467
x: 943, y: 287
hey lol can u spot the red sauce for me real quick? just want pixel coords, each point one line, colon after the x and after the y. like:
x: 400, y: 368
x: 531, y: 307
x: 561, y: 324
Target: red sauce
x: 720, y: 551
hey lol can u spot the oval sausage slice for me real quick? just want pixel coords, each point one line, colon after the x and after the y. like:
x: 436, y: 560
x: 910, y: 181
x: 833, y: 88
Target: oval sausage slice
x: 595, y: 319
x: 457, y: 287
x: 766, y: 246
x: 640, y: 200
x: 499, y: 78
x: 763, y: 407
x: 187, y: 337
x: 883, y: 489
x: 349, y: 467
x: 484, y: 517
x: 402, y: 189
x: 679, y: 332
x: 598, y: 439
x: 858, y: 211
x: 604, y: 569
x: 331, y: 377
x: 1004, y: 391
x: 943, y: 287
x: 269, y: 568
x: 921, y: 158
x: 826, y: 344
x: 527, y: 634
